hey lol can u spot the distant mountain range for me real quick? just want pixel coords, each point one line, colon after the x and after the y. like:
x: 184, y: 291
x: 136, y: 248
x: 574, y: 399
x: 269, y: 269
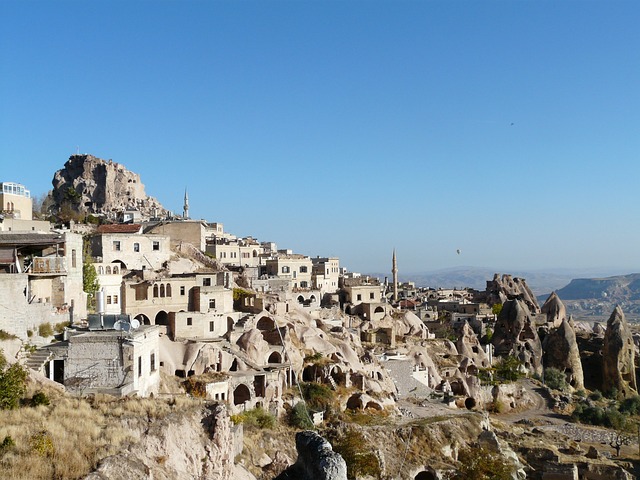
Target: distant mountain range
x: 587, y: 294
x: 541, y: 282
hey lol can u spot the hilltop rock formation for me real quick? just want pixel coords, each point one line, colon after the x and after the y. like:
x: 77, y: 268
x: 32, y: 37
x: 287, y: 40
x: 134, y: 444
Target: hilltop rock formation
x: 90, y: 185
x: 515, y: 334
x: 506, y: 287
x: 469, y: 346
x: 561, y: 351
x: 555, y: 310
x: 618, y: 365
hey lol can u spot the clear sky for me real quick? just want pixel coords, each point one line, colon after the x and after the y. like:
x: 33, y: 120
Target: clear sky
x: 507, y: 129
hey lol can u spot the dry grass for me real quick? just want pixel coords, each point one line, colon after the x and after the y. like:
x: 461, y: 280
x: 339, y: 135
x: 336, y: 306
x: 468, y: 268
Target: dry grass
x: 68, y: 438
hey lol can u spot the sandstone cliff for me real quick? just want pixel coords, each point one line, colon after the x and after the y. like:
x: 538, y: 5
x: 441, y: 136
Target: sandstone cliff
x: 90, y: 185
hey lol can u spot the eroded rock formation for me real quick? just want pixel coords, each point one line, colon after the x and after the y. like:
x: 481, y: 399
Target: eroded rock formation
x: 515, y: 334
x: 618, y: 363
x: 506, y: 287
x: 555, y: 310
x: 561, y: 352
x: 90, y: 185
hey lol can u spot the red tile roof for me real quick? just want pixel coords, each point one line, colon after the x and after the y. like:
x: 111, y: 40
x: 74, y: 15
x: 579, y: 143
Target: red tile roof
x: 120, y: 228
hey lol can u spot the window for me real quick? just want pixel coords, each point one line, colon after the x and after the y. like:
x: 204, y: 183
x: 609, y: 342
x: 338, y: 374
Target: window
x: 139, y: 366
x: 152, y: 362
x: 206, y: 282
x: 359, y: 297
x: 155, y: 290
x: 156, y: 246
x: 304, y: 285
x: 182, y: 290
x: 108, y: 299
x: 107, y: 270
x: 73, y: 259
x: 115, y: 299
x: 189, y: 321
x: 116, y: 246
x: 168, y: 289
x: 212, y: 303
x: 115, y: 270
x: 285, y: 269
x: 162, y: 289
x: 211, y: 326
x: 303, y: 269
x: 136, y: 247
x: 372, y: 295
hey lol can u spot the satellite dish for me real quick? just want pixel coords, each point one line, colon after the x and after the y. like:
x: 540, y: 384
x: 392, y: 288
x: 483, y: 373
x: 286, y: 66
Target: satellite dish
x: 135, y: 323
x: 122, y: 326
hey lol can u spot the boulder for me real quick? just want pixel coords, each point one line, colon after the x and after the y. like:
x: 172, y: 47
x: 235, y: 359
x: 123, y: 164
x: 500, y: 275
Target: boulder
x: 316, y: 460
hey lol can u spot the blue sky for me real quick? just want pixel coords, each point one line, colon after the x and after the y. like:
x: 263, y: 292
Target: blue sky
x: 507, y: 129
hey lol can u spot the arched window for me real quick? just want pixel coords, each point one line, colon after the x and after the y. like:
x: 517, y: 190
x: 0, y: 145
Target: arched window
x: 107, y: 270
x: 168, y: 289
x: 162, y: 290
x: 115, y: 270
x: 100, y: 270
x: 155, y: 290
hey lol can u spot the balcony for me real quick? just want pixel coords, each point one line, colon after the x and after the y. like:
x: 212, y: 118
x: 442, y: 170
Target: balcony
x: 48, y: 265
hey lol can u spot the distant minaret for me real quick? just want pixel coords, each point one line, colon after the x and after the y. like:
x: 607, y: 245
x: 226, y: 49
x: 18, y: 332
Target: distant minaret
x: 394, y: 270
x: 185, y: 212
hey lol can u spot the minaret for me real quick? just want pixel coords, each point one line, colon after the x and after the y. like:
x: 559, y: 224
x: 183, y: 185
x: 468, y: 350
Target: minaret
x: 185, y: 212
x: 394, y: 270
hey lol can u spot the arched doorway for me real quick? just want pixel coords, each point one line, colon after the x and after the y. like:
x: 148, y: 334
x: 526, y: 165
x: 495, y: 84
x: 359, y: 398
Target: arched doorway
x: 143, y: 319
x: 265, y: 323
x: 162, y: 318
x: 275, y: 357
x: 241, y: 394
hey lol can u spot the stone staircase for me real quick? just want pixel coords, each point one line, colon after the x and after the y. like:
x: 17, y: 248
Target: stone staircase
x: 332, y: 382
x: 38, y: 359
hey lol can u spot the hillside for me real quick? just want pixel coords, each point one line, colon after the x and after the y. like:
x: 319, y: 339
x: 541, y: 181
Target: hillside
x: 595, y: 298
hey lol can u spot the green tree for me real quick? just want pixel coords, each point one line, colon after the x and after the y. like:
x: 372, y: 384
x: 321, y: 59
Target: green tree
x: 357, y: 454
x: 90, y: 282
x: 496, y: 309
x: 508, y: 369
x: 13, y: 382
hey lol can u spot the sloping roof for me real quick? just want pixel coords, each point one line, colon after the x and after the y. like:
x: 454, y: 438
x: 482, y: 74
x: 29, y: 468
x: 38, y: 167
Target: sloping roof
x: 120, y: 228
x: 24, y: 239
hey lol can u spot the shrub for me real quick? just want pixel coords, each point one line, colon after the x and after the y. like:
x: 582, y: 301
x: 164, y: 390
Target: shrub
x: 300, y: 417
x: 595, y: 395
x: 357, y: 454
x: 6, y: 444
x: 6, y: 335
x: 631, y: 405
x: 482, y: 463
x: 39, y: 398
x: 29, y: 333
x: 42, y: 444
x: 555, y: 379
x: 13, y: 382
x: 317, y: 396
x: 45, y: 330
x: 59, y: 327
x: 256, y: 417
x: 496, y: 406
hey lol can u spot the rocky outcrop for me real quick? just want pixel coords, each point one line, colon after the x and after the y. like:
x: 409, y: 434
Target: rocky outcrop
x: 90, y: 185
x: 316, y: 460
x: 555, y: 310
x: 469, y: 346
x: 179, y: 446
x: 515, y: 334
x: 561, y: 351
x: 506, y: 287
x: 618, y: 365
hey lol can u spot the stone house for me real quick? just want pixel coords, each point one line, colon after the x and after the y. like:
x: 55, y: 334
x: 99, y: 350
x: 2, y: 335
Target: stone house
x: 114, y: 362
x: 109, y: 277
x: 40, y: 280
x: 16, y: 210
x: 241, y: 252
x: 125, y: 244
x: 325, y: 274
x: 295, y: 267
